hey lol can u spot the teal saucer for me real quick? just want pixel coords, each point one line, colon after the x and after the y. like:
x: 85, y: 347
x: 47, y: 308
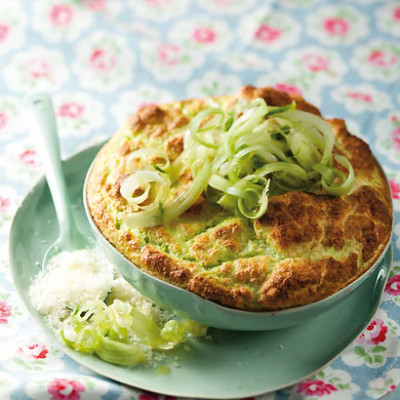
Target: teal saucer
x: 231, y: 364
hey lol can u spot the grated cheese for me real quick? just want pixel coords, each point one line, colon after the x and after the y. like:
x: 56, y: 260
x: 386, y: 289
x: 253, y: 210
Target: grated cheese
x: 71, y: 277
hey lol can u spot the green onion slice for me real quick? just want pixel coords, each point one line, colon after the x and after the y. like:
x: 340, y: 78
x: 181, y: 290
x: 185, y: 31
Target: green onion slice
x: 151, y: 156
x: 202, y: 132
x: 120, y: 334
x: 140, y: 181
x: 120, y: 353
x: 238, y: 157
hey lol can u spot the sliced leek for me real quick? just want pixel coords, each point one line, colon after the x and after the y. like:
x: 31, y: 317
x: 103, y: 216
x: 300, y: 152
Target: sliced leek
x: 120, y: 334
x: 238, y: 157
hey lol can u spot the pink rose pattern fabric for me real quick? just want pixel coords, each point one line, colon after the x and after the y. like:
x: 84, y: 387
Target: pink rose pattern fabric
x: 315, y: 387
x: 104, y: 59
x: 64, y: 389
x: 5, y: 312
x: 34, y: 350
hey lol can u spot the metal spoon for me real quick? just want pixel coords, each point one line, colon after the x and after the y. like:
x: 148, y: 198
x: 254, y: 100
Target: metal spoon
x: 44, y: 130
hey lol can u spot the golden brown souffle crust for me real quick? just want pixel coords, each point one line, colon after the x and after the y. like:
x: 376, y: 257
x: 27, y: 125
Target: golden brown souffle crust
x: 305, y: 248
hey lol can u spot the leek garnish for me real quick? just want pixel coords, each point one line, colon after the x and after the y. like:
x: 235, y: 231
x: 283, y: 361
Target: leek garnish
x: 238, y: 157
x: 120, y: 334
x: 157, y: 168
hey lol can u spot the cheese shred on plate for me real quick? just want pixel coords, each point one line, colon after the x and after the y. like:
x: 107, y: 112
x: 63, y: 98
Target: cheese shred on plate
x: 80, y: 275
x: 96, y: 311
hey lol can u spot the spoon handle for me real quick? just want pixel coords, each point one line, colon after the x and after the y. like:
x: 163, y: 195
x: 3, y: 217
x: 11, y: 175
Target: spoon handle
x: 44, y: 130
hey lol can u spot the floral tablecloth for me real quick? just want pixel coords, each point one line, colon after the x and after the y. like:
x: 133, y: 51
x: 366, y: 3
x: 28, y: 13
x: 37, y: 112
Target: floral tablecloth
x: 103, y: 59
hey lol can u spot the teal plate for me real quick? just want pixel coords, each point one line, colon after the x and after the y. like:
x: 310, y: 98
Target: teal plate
x: 232, y: 364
